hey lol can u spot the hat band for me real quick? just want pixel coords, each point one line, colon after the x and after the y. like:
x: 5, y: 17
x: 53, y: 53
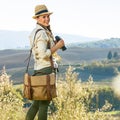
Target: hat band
x: 40, y: 12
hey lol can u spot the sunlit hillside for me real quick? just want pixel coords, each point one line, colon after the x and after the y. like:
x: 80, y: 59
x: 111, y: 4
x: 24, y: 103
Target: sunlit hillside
x: 15, y: 63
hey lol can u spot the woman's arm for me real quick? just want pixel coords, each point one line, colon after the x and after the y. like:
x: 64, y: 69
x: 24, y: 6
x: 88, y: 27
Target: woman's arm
x: 57, y: 46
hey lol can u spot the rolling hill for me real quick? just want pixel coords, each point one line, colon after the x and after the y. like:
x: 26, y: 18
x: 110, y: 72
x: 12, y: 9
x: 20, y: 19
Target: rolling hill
x: 105, y: 43
x: 15, y: 65
x: 20, y: 39
x: 14, y: 50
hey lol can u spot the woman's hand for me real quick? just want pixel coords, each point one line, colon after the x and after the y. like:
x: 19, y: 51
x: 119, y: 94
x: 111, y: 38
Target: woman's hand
x: 60, y: 44
x: 57, y: 46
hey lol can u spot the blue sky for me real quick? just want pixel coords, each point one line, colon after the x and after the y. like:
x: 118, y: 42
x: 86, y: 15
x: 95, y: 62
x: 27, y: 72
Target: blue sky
x: 90, y: 18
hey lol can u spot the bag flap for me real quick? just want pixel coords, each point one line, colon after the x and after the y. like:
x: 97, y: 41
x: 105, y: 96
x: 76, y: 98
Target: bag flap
x: 39, y: 80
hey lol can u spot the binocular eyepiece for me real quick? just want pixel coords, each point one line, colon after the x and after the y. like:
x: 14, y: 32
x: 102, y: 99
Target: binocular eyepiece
x: 57, y: 38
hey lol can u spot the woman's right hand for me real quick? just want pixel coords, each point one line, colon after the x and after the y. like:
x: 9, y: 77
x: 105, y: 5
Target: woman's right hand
x: 60, y: 44
x: 57, y: 46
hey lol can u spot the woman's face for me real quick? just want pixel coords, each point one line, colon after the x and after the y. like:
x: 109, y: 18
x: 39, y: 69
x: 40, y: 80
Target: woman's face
x: 44, y: 20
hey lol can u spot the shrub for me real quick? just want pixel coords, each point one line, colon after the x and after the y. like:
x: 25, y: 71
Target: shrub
x: 11, y: 106
x: 73, y: 101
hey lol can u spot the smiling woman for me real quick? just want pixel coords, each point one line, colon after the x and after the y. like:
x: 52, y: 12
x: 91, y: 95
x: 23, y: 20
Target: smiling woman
x: 43, y: 49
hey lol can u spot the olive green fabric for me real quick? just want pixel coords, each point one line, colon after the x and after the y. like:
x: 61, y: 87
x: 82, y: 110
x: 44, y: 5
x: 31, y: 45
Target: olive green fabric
x: 39, y: 106
x: 43, y: 71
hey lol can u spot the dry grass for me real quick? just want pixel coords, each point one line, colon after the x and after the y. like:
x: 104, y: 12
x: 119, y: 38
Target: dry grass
x: 72, y: 102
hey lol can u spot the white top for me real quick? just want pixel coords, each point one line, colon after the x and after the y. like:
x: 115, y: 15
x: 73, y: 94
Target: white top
x: 40, y: 51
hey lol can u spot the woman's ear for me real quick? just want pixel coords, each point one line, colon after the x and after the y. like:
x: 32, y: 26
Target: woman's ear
x: 37, y: 17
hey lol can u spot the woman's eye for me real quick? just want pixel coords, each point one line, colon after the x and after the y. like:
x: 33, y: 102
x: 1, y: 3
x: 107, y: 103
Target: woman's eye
x: 46, y: 16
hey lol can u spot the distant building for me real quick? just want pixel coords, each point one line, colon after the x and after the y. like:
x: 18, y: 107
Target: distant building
x: 5, y: 82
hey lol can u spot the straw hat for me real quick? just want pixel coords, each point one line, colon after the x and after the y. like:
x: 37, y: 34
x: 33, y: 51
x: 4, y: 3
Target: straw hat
x: 41, y: 10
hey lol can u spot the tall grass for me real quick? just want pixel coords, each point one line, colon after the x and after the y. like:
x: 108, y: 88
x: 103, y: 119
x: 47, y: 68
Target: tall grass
x: 72, y: 103
x: 10, y: 103
x: 74, y: 98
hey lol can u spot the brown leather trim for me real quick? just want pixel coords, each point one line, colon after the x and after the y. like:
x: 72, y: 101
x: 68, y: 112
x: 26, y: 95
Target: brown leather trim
x: 29, y: 88
x: 39, y: 85
x: 48, y: 88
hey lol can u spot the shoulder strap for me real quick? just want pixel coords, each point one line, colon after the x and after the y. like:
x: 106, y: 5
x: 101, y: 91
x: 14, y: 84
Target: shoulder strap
x: 31, y: 50
x: 48, y: 46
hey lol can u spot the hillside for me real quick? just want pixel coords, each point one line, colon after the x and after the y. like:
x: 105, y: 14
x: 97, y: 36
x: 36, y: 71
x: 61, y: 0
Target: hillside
x: 106, y: 43
x: 16, y: 58
x: 20, y: 39
x: 15, y: 65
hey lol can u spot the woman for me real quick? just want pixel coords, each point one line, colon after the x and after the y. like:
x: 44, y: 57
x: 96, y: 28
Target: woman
x: 41, y: 54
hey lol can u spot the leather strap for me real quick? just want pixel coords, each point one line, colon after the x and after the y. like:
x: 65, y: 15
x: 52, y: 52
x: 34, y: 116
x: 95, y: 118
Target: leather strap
x: 47, y: 76
x: 31, y: 51
x: 48, y: 46
x: 29, y: 87
x: 48, y: 87
x: 29, y: 79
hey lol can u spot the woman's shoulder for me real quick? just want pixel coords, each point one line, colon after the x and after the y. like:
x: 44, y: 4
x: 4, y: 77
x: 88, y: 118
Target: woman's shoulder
x: 37, y: 32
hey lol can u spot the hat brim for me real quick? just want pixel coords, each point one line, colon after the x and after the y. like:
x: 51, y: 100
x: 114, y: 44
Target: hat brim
x: 46, y: 13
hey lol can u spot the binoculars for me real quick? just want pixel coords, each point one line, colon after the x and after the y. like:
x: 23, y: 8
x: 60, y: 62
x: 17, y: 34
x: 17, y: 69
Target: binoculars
x: 57, y: 38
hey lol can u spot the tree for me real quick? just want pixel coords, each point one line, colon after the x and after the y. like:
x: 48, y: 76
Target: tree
x: 115, y: 55
x: 109, y: 56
